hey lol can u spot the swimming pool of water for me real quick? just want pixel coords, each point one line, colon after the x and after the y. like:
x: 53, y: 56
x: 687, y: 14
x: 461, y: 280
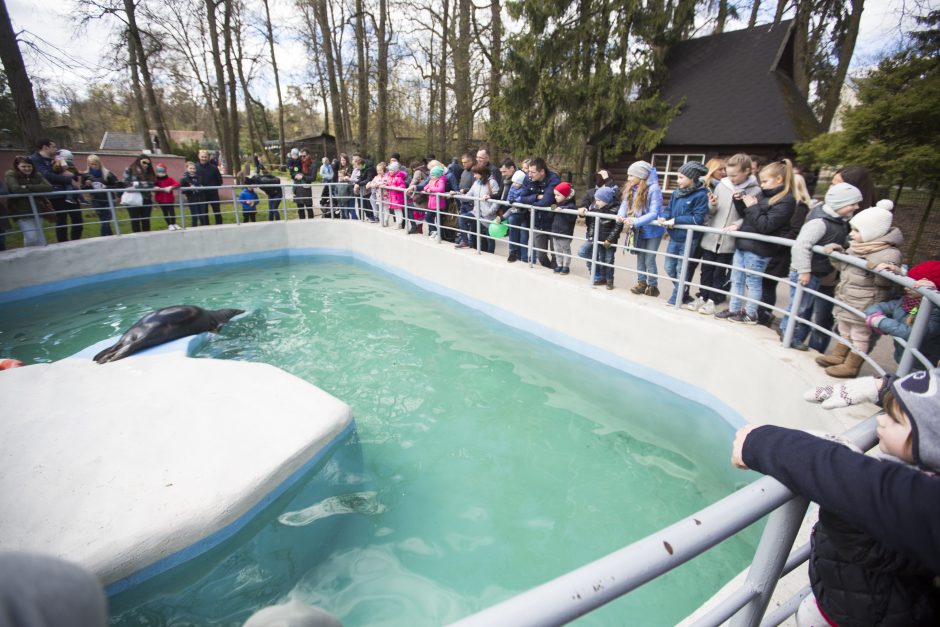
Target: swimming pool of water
x: 486, y: 460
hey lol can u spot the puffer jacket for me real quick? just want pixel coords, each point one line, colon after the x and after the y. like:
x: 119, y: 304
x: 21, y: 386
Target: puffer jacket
x: 722, y: 214
x: 563, y: 223
x: 859, y: 581
x: 644, y: 223
x: 436, y: 186
x: 546, y: 189
x: 688, y: 210
x: 860, y: 288
x: 767, y: 219
x: 396, y: 197
x: 895, y: 324
x: 609, y: 229
x: 35, y: 183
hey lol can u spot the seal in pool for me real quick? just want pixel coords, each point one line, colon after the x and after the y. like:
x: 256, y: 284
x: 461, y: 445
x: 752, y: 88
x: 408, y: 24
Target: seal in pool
x: 165, y: 325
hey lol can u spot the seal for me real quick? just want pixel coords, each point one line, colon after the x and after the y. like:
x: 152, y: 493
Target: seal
x: 165, y: 325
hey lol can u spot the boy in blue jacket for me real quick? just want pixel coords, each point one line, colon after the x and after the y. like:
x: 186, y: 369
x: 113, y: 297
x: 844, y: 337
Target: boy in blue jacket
x: 688, y: 205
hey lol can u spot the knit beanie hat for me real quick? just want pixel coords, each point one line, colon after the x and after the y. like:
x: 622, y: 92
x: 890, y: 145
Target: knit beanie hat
x: 604, y: 194
x: 563, y: 188
x: 394, y: 166
x: 640, y: 169
x: 886, y: 204
x: 929, y: 270
x: 437, y: 171
x: 160, y: 168
x: 518, y: 177
x: 842, y: 195
x: 919, y: 395
x: 872, y: 223
x: 693, y: 170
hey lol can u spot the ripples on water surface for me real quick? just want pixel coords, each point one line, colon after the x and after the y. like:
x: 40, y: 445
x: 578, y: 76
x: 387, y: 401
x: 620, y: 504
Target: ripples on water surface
x: 490, y: 461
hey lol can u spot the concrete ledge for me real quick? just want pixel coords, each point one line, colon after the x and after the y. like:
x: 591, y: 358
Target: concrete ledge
x: 132, y: 467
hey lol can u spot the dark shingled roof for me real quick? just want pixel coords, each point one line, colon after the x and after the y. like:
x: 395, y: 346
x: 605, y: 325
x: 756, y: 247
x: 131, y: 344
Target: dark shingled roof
x: 130, y: 142
x: 738, y: 90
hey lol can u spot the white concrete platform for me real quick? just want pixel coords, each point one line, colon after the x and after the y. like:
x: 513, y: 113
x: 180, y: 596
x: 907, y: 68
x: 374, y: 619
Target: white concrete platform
x: 131, y: 467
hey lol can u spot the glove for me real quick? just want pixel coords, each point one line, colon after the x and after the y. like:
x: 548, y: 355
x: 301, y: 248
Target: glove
x: 852, y: 392
x: 873, y: 320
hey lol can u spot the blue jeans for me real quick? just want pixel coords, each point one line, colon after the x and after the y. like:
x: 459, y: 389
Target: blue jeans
x: 801, y: 330
x: 104, y: 216
x: 604, y: 256
x: 274, y: 207
x: 519, y: 237
x: 646, y: 259
x: 751, y: 262
x: 468, y: 228
x: 674, y: 264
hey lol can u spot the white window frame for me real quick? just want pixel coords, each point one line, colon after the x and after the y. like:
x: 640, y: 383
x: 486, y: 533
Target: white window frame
x: 673, y: 161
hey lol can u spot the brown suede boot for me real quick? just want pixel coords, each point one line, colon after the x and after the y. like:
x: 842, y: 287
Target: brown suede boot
x: 839, y: 353
x: 639, y: 288
x: 848, y: 369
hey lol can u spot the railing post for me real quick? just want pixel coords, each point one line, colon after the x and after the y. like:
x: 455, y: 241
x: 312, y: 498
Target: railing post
x: 37, y: 222
x: 114, y: 216
x: 770, y: 558
x: 794, y: 318
x: 235, y: 204
x: 684, y: 267
x: 531, y: 241
x: 476, y: 218
x: 593, y: 270
x: 918, y: 330
x: 182, y: 210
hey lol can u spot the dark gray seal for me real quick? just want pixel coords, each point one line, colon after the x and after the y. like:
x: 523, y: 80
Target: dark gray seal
x: 165, y: 325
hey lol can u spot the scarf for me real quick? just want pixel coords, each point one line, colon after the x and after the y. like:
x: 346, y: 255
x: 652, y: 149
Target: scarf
x: 682, y: 192
x: 863, y: 249
x: 305, y: 164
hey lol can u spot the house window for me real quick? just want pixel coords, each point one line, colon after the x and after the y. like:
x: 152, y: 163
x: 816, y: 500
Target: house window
x: 668, y: 167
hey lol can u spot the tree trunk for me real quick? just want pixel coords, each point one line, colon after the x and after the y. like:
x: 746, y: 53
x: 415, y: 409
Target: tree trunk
x: 751, y: 23
x: 834, y: 94
x: 224, y: 135
x: 21, y: 88
x: 140, y: 113
x: 340, y: 74
x: 382, y: 81
x: 462, y: 91
x: 277, y: 84
x: 722, y: 16
x: 442, y: 81
x: 234, y: 126
x: 322, y: 18
x: 239, y: 67
x: 362, y: 76
x: 434, y: 77
x: 800, y: 50
x: 133, y: 36
x: 781, y: 8
x: 496, y: 51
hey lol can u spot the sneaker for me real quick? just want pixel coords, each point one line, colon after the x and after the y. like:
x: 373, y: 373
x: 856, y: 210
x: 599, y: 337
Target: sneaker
x: 707, y: 308
x: 670, y: 303
x: 556, y: 269
x: 726, y: 314
x: 652, y: 290
x: 600, y: 282
x: 695, y: 305
x: 743, y: 318
x: 565, y: 270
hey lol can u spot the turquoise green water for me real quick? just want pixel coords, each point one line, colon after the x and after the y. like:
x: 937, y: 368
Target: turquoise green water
x: 487, y: 461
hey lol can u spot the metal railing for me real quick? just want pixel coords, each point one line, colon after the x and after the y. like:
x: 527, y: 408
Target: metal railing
x: 593, y: 585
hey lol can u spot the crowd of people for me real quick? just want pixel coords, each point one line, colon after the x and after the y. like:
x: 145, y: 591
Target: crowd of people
x: 463, y: 200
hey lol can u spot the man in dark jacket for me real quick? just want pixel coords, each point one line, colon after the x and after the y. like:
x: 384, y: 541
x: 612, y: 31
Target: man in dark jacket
x: 65, y: 208
x: 541, y: 193
x: 209, y: 176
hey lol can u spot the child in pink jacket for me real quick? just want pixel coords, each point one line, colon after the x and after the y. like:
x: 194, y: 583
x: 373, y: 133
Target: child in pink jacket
x: 396, y: 199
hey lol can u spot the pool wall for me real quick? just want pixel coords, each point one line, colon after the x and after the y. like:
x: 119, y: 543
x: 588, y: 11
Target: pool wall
x: 742, y: 373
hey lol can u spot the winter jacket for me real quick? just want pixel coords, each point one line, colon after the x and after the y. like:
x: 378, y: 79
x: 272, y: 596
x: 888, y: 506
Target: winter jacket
x: 823, y: 227
x: 396, y: 197
x: 366, y: 174
x: 483, y: 209
x: 766, y: 219
x: 189, y: 185
x: 563, y: 223
x: 876, y: 547
x: 19, y: 208
x: 895, y: 324
x: 140, y: 181
x: 165, y: 197
x: 860, y: 288
x: 609, y: 229
x: 44, y: 166
x: 438, y: 185
x: 546, y: 189
x: 646, y: 216
x: 326, y: 173
x: 722, y: 214
x: 692, y: 208
x: 208, y: 175
x: 104, y: 179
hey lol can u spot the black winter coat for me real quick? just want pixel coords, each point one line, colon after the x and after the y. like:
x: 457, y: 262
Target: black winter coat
x: 563, y: 223
x: 609, y: 229
x: 767, y: 219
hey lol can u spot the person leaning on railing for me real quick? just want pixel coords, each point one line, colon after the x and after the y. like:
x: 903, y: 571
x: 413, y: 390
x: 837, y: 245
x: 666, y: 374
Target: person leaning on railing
x: 608, y: 232
x: 875, y: 552
x: 896, y: 317
x: 98, y: 177
x: 23, y: 178
x: 641, y: 210
x: 688, y: 205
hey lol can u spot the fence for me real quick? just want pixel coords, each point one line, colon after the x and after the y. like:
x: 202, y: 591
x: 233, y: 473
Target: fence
x: 578, y: 592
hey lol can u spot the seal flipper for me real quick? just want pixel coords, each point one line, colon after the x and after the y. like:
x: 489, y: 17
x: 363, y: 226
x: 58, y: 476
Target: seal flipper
x: 107, y: 354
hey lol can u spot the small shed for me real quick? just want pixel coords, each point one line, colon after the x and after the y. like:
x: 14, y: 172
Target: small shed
x: 319, y: 146
x: 738, y: 95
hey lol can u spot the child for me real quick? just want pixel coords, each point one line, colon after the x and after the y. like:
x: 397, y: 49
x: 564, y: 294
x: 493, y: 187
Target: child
x: 165, y: 196
x: 641, y: 211
x: 827, y: 224
x: 875, y: 241
x: 688, y: 205
x: 563, y: 226
x: 396, y: 199
x: 435, y: 188
x: 518, y: 219
x: 379, y: 196
x: 607, y: 235
x: 896, y: 317
x: 768, y: 215
x: 249, y: 202
x: 484, y: 187
x: 876, y: 548
x: 198, y: 208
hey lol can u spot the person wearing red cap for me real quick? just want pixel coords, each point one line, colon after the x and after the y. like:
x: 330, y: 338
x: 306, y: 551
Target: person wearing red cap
x: 896, y: 317
x: 165, y: 196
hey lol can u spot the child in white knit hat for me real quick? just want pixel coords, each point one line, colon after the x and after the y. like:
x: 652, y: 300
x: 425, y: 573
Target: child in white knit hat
x: 876, y: 241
